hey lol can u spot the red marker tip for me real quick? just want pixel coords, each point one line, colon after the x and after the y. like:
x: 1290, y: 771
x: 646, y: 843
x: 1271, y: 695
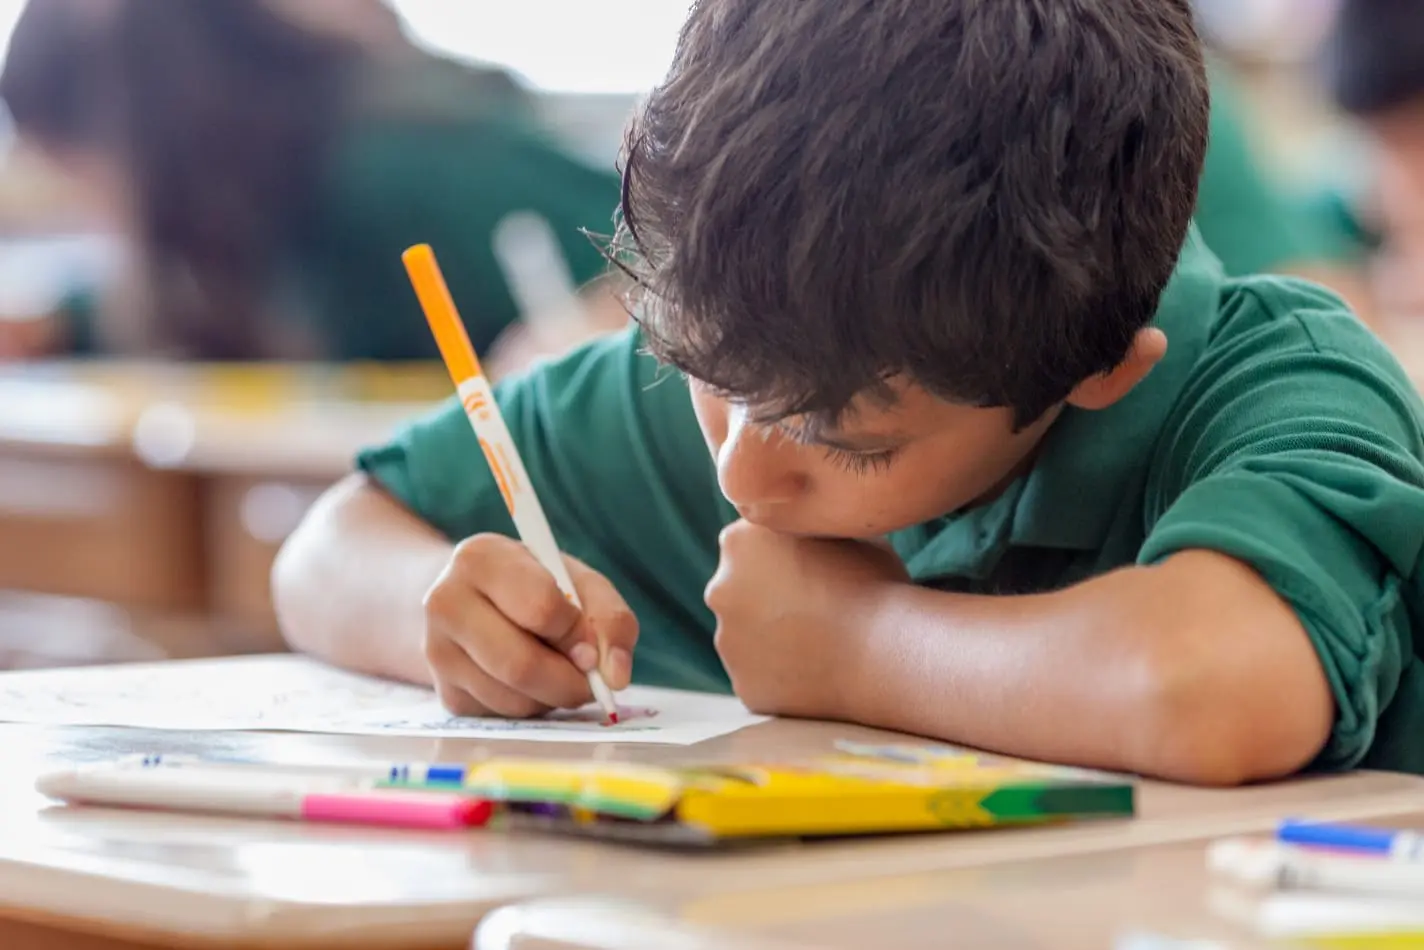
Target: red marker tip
x: 613, y: 718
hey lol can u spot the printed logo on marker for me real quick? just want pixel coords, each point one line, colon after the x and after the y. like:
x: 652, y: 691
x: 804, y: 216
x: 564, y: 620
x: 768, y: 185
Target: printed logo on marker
x: 476, y: 405
x: 512, y: 472
x: 499, y: 475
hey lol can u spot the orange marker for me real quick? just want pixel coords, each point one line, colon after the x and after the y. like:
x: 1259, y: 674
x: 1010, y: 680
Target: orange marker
x: 477, y: 396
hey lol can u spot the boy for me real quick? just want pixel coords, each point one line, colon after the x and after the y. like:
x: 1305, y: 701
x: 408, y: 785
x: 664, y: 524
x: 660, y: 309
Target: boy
x: 919, y: 263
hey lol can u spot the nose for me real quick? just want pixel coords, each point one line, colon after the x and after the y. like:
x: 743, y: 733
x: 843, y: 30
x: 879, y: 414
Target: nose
x: 756, y: 468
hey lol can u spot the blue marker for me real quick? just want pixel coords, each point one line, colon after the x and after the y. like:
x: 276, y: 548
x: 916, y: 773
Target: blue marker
x: 410, y: 773
x: 1398, y: 845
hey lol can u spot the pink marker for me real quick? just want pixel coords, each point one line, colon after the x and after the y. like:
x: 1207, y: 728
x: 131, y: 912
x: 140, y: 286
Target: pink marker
x: 276, y: 794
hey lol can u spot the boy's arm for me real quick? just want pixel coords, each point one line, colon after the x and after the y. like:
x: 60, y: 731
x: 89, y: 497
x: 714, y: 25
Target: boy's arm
x: 614, y: 451
x: 349, y: 584
x: 1194, y: 670
x: 1176, y: 671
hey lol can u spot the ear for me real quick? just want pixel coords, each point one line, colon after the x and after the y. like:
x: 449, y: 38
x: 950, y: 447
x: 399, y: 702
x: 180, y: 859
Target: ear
x: 1101, y: 391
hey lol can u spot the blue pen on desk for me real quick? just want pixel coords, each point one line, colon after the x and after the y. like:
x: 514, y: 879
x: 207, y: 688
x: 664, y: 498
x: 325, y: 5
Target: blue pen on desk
x: 401, y: 773
x: 1396, y: 845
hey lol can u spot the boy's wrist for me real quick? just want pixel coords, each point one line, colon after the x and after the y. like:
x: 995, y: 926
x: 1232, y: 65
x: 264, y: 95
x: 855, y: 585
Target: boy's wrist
x: 865, y: 685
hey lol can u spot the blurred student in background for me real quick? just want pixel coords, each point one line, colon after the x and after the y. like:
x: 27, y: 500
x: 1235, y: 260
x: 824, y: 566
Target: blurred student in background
x: 1253, y: 224
x: 268, y: 160
x: 1375, y: 70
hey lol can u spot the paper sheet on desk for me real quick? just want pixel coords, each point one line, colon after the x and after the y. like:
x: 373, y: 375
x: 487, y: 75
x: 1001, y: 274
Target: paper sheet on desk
x: 296, y: 694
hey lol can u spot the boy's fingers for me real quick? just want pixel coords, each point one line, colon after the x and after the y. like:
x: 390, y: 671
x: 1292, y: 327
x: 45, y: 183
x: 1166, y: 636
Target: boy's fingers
x: 494, y: 697
x: 465, y: 690
x: 520, y: 589
x: 608, y: 625
x: 460, y: 617
x: 524, y: 665
x: 518, y: 586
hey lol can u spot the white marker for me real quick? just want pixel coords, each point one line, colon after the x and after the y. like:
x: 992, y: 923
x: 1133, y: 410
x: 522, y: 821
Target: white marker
x: 1269, y: 864
x: 227, y: 791
x: 496, y: 443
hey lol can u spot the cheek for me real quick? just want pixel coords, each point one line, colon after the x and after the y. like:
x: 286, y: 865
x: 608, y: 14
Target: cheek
x: 921, y: 486
x: 901, y: 497
x: 847, y: 504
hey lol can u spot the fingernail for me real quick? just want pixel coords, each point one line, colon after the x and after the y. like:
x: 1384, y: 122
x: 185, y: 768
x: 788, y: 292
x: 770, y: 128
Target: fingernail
x: 618, y: 667
x: 584, y: 656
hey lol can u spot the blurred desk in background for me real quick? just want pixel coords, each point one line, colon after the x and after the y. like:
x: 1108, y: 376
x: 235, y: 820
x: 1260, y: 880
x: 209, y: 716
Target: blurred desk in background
x: 79, y: 514
x: 166, y: 490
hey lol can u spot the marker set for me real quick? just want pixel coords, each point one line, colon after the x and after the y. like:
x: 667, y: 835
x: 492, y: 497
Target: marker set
x: 861, y: 790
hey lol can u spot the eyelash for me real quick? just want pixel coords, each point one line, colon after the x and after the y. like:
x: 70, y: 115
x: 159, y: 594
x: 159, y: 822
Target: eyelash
x: 857, y: 463
x: 861, y: 463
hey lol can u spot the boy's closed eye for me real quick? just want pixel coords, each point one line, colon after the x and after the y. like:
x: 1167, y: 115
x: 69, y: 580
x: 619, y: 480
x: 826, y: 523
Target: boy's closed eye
x: 861, y: 463
x: 858, y: 455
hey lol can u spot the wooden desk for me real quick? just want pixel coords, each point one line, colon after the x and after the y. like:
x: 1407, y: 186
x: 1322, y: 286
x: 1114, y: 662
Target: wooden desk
x: 170, y: 880
x: 259, y: 473
x: 1055, y: 903
x: 166, y: 488
x: 79, y: 514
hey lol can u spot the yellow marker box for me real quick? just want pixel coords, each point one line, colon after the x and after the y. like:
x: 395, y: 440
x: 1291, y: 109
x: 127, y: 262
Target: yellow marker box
x: 865, y: 790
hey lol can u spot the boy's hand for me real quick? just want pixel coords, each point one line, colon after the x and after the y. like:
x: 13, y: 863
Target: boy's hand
x: 788, y: 611
x: 502, y: 640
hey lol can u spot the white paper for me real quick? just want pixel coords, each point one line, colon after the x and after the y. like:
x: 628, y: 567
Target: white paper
x: 295, y: 694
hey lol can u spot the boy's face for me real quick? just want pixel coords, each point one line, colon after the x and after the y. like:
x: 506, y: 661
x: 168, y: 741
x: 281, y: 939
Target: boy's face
x: 881, y: 469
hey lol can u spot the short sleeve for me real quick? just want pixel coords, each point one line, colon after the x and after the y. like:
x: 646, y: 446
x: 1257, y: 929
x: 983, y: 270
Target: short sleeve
x: 1297, y: 451
x: 613, y: 449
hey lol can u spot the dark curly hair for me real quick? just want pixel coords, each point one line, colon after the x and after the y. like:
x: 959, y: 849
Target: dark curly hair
x: 985, y: 197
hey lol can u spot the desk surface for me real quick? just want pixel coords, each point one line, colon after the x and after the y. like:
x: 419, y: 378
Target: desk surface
x: 1068, y: 902
x: 184, y: 880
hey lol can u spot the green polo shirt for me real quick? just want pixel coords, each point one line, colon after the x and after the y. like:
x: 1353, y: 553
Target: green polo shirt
x: 1277, y: 430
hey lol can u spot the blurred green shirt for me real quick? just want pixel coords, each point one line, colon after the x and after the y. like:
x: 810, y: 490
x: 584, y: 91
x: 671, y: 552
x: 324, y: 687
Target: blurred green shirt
x: 1251, y: 224
x: 430, y: 152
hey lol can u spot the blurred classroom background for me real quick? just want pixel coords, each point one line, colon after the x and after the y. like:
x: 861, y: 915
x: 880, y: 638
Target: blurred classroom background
x: 153, y: 457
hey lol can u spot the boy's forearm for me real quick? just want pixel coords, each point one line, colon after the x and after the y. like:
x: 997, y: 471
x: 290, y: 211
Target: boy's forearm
x: 350, y: 582
x: 1193, y: 671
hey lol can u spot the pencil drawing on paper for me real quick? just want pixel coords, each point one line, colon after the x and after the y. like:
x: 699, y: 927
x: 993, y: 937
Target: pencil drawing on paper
x: 587, y: 719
